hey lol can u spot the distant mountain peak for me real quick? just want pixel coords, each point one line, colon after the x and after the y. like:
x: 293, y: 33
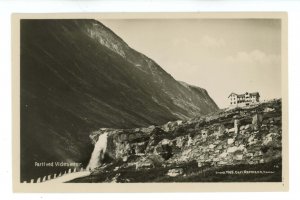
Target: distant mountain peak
x: 106, y: 37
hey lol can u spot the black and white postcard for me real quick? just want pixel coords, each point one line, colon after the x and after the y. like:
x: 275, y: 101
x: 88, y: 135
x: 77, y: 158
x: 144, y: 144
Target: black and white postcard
x: 141, y: 102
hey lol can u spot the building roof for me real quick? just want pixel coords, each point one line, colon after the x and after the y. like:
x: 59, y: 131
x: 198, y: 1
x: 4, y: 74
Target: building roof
x: 254, y: 94
x: 241, y: 95
x: 231, y: 94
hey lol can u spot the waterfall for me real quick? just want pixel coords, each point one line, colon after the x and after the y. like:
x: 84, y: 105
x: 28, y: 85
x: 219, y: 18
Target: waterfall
x: 98, y: 153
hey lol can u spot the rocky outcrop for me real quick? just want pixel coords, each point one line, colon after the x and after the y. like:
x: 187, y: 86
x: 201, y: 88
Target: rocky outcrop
x: 249, y: 135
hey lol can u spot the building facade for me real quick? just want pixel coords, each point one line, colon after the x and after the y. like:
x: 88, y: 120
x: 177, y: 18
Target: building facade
x: 240, y: 100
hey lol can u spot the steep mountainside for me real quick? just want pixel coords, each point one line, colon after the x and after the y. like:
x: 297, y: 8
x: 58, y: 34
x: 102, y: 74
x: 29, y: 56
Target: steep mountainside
x: 78, y: 76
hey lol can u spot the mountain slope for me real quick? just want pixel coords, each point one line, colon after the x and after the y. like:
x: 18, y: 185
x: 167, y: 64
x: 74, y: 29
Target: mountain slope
x: 77, y: 76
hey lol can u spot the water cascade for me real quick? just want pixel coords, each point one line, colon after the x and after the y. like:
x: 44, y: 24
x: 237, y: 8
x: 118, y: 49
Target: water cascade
x: 98, y: 153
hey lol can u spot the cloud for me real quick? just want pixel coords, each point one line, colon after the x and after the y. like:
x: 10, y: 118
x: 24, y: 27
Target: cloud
x: 209, y: 41
x: 254, y: 57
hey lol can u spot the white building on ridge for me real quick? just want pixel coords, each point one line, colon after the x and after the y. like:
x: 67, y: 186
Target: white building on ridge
x: 240, y: 100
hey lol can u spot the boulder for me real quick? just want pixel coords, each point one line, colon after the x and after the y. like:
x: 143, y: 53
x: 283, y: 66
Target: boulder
x: 148, y: 130
x: 249, y: 155
x: 199, y: 163
x: 180, y: 141
x: 238, y: 157
x: 221, y: 130
x: 179, y: 122
x: 223, y: 155
x: 125, y: 158
x: 175, y: 172
x: 251, y: 139
x: 247, y: 127
x: 223, y: 163
x: 164, y: 150
x: 216, y: 142
x: 267, y: 109
x: 232, y: 149
x: 270, y: 139
x: 165, y: 142
x: 231, y: 130
x: 230, y: 141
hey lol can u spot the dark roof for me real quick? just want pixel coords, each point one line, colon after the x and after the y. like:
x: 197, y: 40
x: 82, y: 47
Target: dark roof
x: 241, y: 95
x: 254, y: 94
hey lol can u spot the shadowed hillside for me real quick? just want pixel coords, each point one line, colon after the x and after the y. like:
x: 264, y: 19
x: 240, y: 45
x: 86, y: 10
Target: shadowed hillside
x: 78, y: 76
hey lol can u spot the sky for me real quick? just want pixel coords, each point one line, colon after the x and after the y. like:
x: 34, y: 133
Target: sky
x: 220, y: 55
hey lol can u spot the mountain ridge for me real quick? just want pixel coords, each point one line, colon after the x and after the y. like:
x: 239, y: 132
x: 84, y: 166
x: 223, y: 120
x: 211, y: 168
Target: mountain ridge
x: 71, y: 84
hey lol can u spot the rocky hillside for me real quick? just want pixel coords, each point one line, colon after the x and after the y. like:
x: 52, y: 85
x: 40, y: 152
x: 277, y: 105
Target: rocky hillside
x: 243, y: 144
x: 77, y: 76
